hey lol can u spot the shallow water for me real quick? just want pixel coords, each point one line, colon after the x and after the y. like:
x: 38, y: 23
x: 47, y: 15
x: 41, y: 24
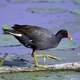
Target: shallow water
x: 66, y: 55
x: 41, y: 76
x: 51, y: 14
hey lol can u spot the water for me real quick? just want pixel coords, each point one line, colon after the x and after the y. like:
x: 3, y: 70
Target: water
x: 41, y: 76
x: 51, y: 14
x: 66, y: 55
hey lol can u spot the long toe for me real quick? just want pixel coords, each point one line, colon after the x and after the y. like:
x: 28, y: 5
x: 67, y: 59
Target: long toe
x: 54, y: 57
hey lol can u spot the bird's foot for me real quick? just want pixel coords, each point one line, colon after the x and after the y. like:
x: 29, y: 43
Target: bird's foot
x: 41, y: 66
x: 48, y: 56
x: 35, y: 55
x: 53, y: 57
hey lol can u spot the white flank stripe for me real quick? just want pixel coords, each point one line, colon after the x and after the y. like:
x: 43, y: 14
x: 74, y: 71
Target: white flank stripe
x: 15, y: 34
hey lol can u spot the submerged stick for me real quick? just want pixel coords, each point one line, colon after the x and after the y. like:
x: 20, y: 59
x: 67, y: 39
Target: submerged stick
x: 56, y: 67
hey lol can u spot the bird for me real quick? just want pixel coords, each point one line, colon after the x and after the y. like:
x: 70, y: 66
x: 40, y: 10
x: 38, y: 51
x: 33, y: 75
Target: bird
x: 37, y: 38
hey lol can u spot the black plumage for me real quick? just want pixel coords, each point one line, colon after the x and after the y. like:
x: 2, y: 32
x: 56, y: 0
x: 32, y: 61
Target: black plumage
x: 37, y: 38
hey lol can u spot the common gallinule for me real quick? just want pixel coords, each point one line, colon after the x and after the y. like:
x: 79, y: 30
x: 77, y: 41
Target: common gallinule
x: 37, y: 38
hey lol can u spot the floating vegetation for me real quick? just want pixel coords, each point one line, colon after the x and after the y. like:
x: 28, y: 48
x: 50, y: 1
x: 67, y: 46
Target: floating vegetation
x: 46, y: 10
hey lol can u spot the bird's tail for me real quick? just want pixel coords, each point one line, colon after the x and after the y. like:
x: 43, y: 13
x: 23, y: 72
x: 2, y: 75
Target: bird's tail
x: 6, y: 29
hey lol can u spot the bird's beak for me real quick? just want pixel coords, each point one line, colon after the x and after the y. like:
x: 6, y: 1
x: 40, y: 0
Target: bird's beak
x: 69, y: 36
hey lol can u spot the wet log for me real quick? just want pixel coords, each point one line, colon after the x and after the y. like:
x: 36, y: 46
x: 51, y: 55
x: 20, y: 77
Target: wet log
x: 56, y: 67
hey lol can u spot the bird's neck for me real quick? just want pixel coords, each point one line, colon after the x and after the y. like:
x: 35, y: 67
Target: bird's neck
x: 59, y: 36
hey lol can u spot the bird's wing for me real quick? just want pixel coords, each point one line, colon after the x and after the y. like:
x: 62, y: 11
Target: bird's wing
x: 24, y: 29
x: 38, y: 36
x: 33, y: 31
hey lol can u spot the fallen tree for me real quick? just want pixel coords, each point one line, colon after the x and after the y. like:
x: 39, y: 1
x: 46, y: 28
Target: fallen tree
x: 56, y: 67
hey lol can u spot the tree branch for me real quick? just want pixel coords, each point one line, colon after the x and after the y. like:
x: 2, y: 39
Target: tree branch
x: 56, y: 67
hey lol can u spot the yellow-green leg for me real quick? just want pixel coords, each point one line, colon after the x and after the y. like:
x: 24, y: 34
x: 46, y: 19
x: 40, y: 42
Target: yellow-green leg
x: 35, y: 58
x: 35, y: 55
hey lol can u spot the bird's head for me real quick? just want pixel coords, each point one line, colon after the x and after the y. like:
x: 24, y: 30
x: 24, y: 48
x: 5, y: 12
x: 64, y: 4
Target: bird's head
x: 65, y: 34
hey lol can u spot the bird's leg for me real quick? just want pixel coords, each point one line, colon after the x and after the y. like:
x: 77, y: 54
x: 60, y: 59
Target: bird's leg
x: 35, y: 55
x: 35, y: 58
